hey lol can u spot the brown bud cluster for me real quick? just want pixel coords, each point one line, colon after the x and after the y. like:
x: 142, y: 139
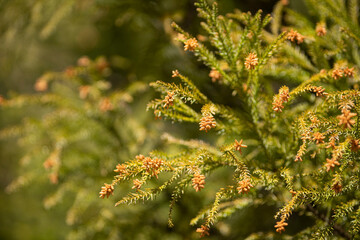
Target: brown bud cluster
x: 175, y: 73
x: 251, y: 61
x: 337, y: 73
x: 49, y: 163
x: 294, y: 35
x: 279, y: 99
x: 84, y: 91
x: 277, y: 104
x: 121, y: 169
x: 318, y: 137
x: 345, y: 119
x: 355, y: 145
x: 337, y: 187
x: 349, y: 72
x: 207, y: 122
x: 239, y: 145
x: 41, y: 85
x: 244, y: 186
x: 284, y: 93
x: 280, y: 226
x: 215, y: 75
x: 331, y: 163
x: 152, y: 165
x: 105, y: 105
x: 320, y: 30
x: 169, y: 100
x: 191, y: 44
x: 319, y: 91
x: 83, y: 61
x: 203, y: 230
x: 106, y: 190
x: 198, y: 182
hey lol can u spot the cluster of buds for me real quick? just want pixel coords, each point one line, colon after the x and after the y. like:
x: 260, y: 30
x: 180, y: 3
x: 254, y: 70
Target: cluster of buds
x: 152, y: 165
x: 239, y: 145
x: 54, y: 177
x: 349, y: 72
x: 284, y: 93
x: 244, y: 186
x: 84, y: 91
x: 191, y: 44
x: 106, y: 190
x: 320, y: 29
x: 251, y: 61
x: 215, y: 75
x: 105, y: 105
x: 279, y: 99
x: 285, y: 2
x: 336, y: 155
x: 175, y: 73
x: 84, y: 61
x: 331, y: 163
x: 319, y: 91
x: 294, y: 35
x: 41, y: 84
x: 277, y: 104
x: 207, y: 122
x: 318, y: 137
x: 337, y: 187
x: 140, y: 157
x: 280, y: 226
x: 53, y: 160
x: 355, y: 145
x: 339, y: 73
x: 121, y: 169
x: 203, y: 230
x: 345, y: 119
x: 332, y: 142
x: 198, y: 182
x: 49, y: 163
x: 169, y: 99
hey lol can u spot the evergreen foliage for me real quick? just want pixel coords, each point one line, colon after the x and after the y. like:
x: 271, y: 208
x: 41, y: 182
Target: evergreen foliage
x: 77, y: 127
x: 302, y: 140
x: 280, y: 113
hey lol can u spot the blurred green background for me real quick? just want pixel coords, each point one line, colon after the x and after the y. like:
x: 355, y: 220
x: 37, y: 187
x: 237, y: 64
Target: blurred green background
x: 38, y: 36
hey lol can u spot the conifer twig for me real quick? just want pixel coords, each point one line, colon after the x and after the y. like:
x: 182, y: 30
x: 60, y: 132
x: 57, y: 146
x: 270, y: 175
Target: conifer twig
x: 337, y: 228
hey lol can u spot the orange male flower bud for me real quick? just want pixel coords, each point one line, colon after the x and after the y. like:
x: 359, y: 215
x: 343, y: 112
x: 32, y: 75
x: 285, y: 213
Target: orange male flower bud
x: 191, y: 44
x: 106, y: 190
x: 251, y: 61
x: 280, y: 226
x: 198, y: 182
